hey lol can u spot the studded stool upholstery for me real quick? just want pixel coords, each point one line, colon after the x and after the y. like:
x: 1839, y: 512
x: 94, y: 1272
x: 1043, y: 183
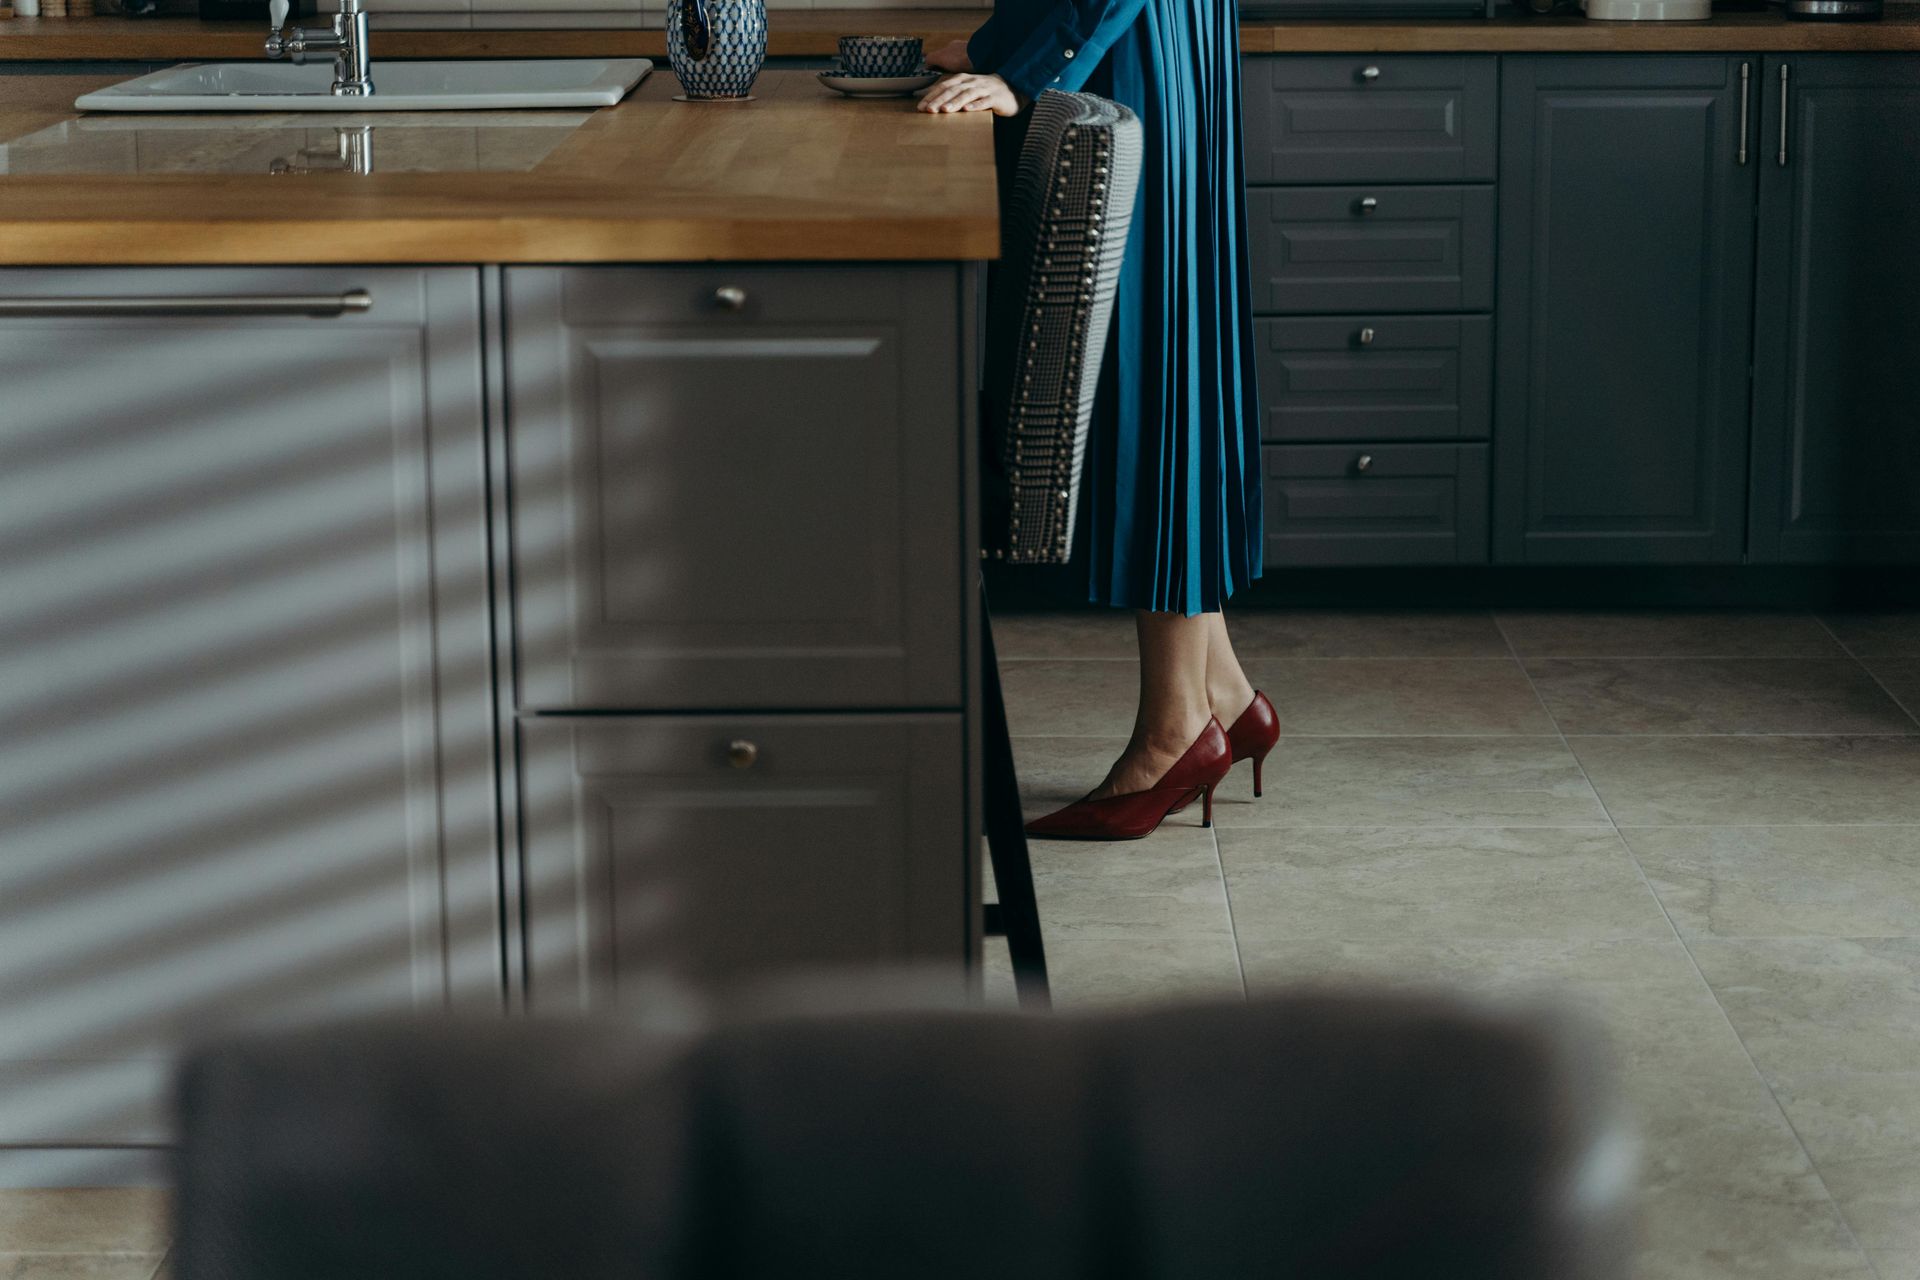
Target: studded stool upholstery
x: 1063, y: 231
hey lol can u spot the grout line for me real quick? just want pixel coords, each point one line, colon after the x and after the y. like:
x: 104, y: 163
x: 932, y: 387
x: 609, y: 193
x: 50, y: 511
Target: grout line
x: 1226, y: 892
x: 1913, y: 713
x: 1687, y: 951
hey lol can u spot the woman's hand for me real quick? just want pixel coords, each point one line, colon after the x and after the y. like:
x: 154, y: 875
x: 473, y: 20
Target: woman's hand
x: 969, y: 92
x: 952, y: 57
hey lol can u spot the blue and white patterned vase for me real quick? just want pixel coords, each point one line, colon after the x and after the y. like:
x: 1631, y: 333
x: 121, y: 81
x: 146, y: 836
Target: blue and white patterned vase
x: 716, y: 46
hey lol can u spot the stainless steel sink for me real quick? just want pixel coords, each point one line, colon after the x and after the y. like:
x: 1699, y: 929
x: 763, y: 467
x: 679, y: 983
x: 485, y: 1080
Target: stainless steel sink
x: 401, y: 86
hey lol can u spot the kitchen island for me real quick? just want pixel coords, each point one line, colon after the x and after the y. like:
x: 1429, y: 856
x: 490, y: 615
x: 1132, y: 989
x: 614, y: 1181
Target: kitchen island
x: 532, y: 572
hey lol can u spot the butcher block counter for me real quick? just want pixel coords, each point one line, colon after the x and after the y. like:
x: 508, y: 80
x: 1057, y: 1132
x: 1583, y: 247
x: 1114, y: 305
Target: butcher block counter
x: 813, y: 34
x: 799, y: 173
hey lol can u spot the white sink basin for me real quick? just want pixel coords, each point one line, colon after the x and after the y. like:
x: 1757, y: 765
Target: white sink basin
x: 397, y: 86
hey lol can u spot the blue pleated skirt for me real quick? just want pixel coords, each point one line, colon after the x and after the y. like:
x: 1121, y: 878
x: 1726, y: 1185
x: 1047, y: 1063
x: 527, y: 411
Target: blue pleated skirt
x: 1172, y: 484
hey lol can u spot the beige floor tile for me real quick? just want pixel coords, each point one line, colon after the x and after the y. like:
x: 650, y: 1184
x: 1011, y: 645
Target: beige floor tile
x: 1661, y: 1019
x: 1093, y: 973
x: 1715, y: 695
x: 78, y: 1266
x: 1895, y: 1266
x: 1165, y: 886
x: 1726, y: 781
x: 1852, y: 1115
x: 1806, y: 1005
x: 1354, y: 696
x: 1320, y: 633
x: 1066, y: 696
x: 83, y: 1220
x: 1425, y: 781
x: 1091, y: 633
x: 1666, y: 635
x: 1781, y: 882
x: 1880, y: 1198
x: 1877, y: 634
x: 1703, y: 1235
x: 1901, y: 678
x: 1569, y: 884
x: 996, y: 977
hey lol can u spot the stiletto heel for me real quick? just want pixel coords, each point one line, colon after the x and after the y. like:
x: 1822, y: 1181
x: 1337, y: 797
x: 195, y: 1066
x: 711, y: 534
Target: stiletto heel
x: 1137, y: 813
x: 1253, y: 735
x: 1206, y: 815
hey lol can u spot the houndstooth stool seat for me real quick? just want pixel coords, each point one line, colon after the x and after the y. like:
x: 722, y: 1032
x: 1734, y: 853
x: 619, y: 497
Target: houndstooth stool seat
x: 1064, y: 232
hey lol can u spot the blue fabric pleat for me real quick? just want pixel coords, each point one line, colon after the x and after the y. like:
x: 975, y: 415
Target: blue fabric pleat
x: 1173, y: 477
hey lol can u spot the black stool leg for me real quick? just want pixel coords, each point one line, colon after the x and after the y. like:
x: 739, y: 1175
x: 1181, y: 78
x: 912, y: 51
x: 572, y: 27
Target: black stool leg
x: 1017, y: 916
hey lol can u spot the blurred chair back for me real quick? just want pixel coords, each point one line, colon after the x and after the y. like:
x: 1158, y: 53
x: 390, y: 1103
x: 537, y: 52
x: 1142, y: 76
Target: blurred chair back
x: 1063, y: 234
x: 1321, y: 1136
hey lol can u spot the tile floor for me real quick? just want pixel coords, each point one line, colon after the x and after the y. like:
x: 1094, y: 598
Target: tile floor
x: 1703, y: 827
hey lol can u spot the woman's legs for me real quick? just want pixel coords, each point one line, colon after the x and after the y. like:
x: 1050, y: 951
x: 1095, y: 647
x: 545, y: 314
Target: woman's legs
x: 1187, y: 673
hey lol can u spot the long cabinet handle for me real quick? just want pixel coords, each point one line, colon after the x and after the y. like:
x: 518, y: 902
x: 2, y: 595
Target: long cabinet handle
x: 1746, y: 80
x: 1783, y: 114
x: 319, y: 305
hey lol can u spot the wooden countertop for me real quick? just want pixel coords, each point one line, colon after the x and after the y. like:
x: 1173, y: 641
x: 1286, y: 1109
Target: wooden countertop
x: 797, y: 174
x: 812, y: 33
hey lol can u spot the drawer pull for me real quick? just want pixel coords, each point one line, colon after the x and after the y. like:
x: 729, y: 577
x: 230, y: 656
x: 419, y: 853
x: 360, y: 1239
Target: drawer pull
x: 730, y: 298
x: 1366, y: 337
x: 1368, y: 204
x: 1369, y: 72
x: 317, y: 305
x: 1363, y: 462
x: 742, y: 754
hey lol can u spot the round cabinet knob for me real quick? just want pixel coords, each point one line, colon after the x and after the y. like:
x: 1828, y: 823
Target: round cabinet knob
x: 742, y: 754
x: 1363, y: 462
x: 1369, y: 73
x: 1368, y: 204
x: 730, y: 298
x: 1366, y: 337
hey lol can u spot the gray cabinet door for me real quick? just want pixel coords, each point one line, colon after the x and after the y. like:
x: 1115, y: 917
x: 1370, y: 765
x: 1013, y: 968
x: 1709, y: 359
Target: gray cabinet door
x: 1363, y: 118
x: 1341, y: 249
x: 736, y: 487
x: 703, y: 849
x: 1376, y: 377
x: 1626, y: 260
x: 1391, y: 504
x: 245, y: 708
x: 1836, y: 420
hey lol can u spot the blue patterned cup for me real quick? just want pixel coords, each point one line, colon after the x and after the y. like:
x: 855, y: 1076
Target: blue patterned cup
x: 716, y: 47
x: 880, y: 55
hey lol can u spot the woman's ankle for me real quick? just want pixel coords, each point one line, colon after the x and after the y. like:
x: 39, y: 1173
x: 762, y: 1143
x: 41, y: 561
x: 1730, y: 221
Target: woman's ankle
x: 1229, y: 699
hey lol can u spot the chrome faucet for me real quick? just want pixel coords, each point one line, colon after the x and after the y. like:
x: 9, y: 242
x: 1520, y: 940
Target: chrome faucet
x: 347, y: 42
x: 352, y: 153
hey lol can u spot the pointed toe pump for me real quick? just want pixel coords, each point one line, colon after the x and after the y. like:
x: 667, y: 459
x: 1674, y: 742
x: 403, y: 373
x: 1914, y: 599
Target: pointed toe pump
x: 1253, y: 734
x: 1135, y: 814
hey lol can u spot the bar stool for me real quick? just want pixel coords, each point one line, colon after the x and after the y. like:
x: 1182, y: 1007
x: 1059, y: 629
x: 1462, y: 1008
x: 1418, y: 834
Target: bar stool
x: 1064, y: 221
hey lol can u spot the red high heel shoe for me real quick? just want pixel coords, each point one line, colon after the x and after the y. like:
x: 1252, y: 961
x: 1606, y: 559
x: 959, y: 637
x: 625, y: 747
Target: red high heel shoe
x: 1253, y: 734
x: 1137, y: 813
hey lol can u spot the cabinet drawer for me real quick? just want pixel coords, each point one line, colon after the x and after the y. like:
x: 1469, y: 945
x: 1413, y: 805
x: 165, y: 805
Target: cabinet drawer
x: 749, y: 505
x: 718, y: 848
x: 1376, y: 505
x: 1376, y: 377
x: 1370, y: 119
x: 1339, y: 249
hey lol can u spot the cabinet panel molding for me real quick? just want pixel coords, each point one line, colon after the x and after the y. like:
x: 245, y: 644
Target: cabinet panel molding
x: 749, y: 504
x: 1624, y: 317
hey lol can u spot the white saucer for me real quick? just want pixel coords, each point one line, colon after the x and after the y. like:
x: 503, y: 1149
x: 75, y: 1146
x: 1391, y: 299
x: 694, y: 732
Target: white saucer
x: 878, y: 86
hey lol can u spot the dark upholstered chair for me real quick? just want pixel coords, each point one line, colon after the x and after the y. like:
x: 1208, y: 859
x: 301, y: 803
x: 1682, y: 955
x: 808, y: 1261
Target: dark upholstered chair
x: 1064, y: 220
x: 1318, y: 1136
